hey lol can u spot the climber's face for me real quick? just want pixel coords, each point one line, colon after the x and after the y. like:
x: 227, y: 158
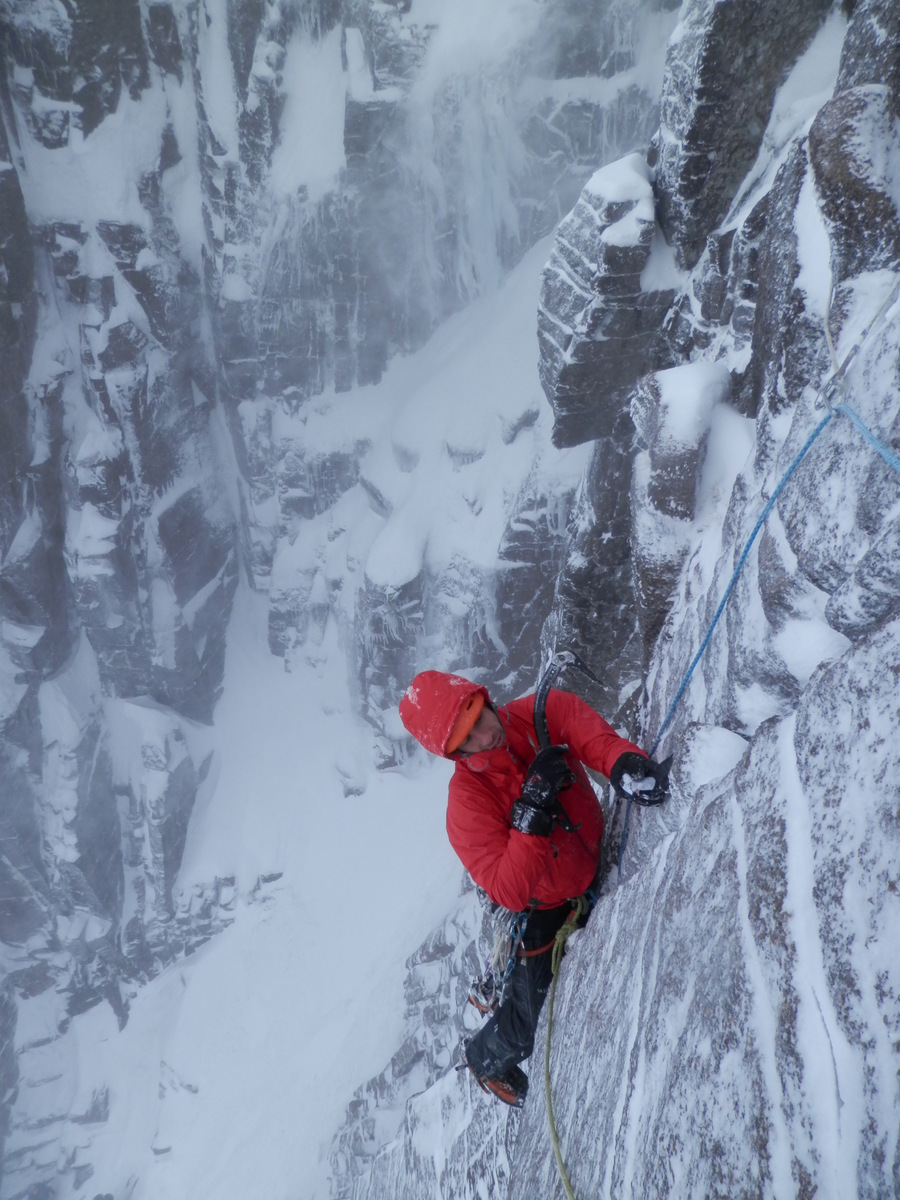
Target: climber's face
x: 486, y: 734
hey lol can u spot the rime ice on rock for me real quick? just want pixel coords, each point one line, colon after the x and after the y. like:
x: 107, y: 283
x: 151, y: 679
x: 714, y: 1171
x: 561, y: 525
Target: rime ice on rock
x: 183, y: 317
x: 727, y: 1024
x: 724, y: 66
x: 598, y: 327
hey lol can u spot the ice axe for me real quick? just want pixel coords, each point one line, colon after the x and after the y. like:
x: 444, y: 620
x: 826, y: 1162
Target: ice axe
x: 558, y: 663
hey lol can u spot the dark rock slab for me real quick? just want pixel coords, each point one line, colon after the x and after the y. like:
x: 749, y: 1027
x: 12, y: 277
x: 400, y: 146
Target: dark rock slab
x: 854, y: 151
x: 787, y: 350
x: 530, y: 557
x: 598, y: 329
x: 594, y: 610
x: 871, y: 50
x: 85, y: 56
x: 163, y: 40
x: 871, y: 594
x: 722, y: 72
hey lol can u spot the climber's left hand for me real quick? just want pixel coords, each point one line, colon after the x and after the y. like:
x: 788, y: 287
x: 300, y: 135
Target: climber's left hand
x: 641, y: 779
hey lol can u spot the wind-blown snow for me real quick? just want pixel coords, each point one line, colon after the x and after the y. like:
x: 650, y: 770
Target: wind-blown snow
x: 95, y: 178
x: 468, y: 32
x: 217, y: 73
x: 687, y: 396
x: 236, y: 1065
x: 796, y: 103
x: 310, y: 150
x: 813, y: 251
x: 454, y: 433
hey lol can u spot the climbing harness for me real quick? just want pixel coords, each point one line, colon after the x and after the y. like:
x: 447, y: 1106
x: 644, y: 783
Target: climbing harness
x: 486, y: 991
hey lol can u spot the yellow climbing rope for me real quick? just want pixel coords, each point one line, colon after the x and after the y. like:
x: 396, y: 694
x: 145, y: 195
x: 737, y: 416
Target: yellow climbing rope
x: 559, y: 945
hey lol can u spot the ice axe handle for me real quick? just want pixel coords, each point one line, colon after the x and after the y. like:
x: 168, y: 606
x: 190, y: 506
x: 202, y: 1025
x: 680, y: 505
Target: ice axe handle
x: 562, y: 819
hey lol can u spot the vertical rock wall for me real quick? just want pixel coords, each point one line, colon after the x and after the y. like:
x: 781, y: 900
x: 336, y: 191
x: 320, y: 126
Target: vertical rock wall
x: 180, y: 306
x: 725, y: 65
x: 726, y: 1023
x: 181, y: 277
x: 117, y: 538
x: 447, y: 179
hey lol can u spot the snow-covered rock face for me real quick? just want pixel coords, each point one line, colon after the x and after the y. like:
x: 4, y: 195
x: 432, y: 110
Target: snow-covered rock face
x: 725, y: 63
x: 724, y: 1025
x: 599, y: 324
x: 727, y: 1023
x: 118, y: 537
x: 224, y: 224
x: 460, y: 140
x: 218, y: 220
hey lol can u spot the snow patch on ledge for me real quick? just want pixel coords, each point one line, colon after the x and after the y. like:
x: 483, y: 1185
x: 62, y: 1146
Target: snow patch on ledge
x: 687, y: 396
x: 626, y: 179
x: 707, y: 753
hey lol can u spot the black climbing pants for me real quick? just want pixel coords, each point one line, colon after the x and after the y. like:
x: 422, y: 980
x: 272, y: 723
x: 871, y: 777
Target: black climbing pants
x: 508, y: 1036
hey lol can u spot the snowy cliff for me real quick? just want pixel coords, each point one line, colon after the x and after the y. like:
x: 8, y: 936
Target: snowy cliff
x: 272, y: 272
x: 223, y: 221
x: 727, y: 1024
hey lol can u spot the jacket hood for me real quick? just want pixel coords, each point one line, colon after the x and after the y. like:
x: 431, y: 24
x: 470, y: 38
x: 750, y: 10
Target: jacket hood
x: 431, y: 705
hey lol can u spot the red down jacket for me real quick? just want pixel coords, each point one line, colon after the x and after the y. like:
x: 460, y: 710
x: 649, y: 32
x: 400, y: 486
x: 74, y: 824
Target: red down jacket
x: 516, y: 869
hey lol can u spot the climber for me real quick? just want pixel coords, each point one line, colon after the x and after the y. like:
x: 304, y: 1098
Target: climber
x: 527, y: 826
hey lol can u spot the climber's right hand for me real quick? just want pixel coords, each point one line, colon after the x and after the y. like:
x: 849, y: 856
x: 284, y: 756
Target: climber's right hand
x: 547, y: 776
x: 532, y: 818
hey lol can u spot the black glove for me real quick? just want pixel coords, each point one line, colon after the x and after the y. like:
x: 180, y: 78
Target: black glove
x: 537, y: 811
x: 547, y: 776
x: 641, y: 779
x: 531, y: 818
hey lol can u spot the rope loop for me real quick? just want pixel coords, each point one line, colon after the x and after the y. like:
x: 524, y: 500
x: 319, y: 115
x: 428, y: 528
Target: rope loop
x: 564, y: 932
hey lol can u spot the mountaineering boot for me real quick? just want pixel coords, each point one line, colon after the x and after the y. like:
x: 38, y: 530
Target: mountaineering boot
x: 510, y: 1086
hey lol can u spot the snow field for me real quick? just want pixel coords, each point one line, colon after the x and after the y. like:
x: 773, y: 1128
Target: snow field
x: 236, y: 1065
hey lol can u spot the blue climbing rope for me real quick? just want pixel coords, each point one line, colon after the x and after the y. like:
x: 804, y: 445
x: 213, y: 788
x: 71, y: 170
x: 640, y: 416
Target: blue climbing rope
x: 795, y: 463
x: 834, y: 384
x: 877, y: 445
x: 707, y: 637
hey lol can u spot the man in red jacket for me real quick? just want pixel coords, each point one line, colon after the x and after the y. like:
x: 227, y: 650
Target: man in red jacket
x: 527, y: 825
